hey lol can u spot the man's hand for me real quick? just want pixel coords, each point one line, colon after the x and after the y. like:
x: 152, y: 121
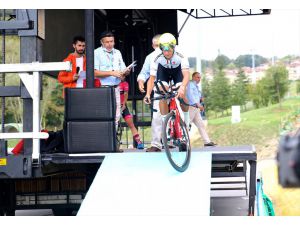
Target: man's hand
x: 147, y: 100
x: 117, y: 73
x: 75, y: 77
x: 199, y: 106
x: 141, y: 86
x: 181, y: 92
x: 126, y: 72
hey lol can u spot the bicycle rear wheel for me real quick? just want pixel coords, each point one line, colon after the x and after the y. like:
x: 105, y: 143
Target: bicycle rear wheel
x: 178, y: 150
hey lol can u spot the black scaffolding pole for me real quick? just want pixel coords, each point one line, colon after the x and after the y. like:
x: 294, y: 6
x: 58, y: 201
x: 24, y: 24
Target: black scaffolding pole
x: 89, y: 38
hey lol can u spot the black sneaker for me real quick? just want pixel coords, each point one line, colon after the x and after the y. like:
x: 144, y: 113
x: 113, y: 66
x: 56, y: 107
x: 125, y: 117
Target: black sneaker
x: 210, y: 144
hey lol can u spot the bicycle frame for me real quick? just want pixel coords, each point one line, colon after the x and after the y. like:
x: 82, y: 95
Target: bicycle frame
x: 174, y: 107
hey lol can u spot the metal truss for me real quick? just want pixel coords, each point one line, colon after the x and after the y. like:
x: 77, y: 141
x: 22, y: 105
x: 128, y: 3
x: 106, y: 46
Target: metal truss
x: 216, y: 13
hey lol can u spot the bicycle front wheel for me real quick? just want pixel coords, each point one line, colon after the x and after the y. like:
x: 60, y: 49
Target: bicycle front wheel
x: 177, y: 147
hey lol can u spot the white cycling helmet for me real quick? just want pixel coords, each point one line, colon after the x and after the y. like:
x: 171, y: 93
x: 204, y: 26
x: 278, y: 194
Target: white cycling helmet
x: 167, y: 41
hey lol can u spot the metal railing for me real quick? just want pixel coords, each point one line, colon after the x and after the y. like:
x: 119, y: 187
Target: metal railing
x: 30, y: 76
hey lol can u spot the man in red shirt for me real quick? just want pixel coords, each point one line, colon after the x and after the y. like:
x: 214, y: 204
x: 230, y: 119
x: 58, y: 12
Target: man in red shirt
x: 124, y: 88
x: 78, y: 61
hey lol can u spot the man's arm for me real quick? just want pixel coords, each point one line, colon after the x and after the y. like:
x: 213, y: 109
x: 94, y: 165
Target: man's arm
x: 64, y: 77
x: 144, y: 74
x: 150, y: 86
x: 186, y: 76
x: 182, y: 89
x: 99, y: 73
x: 67, y: 77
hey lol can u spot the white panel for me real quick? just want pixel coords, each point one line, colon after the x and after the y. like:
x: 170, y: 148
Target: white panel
x: 39, y: 135
x: 145, y: 184
x: 34, y: 67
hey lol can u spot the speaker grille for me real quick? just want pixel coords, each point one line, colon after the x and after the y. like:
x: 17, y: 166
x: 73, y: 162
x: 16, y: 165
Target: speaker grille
x: 93, y: 104
x: 90, y: 137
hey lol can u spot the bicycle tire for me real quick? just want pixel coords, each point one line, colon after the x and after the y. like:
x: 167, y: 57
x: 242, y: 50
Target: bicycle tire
x: 185, y: 163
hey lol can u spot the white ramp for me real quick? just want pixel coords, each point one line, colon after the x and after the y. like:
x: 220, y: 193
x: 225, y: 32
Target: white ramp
x: 145, y: 184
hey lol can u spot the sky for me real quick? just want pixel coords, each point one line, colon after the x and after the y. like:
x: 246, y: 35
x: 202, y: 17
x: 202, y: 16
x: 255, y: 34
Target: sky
x: 277, y: 34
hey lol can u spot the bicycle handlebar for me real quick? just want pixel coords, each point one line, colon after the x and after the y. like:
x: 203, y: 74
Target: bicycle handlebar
x: 168, y: 94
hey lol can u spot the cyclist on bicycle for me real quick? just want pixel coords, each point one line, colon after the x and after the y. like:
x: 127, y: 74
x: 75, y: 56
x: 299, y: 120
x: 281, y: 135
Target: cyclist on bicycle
x: 169, y: 65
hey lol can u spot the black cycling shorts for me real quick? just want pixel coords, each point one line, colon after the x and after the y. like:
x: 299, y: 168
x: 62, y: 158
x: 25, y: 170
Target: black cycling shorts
x: 166, y: 74
x: 126, y: 114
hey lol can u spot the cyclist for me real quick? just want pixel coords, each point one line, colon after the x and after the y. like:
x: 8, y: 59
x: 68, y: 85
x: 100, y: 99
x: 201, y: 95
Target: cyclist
x: 124, y: 88
x: 169, y: 65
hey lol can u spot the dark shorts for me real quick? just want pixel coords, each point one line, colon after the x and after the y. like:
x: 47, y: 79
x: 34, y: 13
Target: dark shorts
x: 166, y: 75
x: 126, y: 114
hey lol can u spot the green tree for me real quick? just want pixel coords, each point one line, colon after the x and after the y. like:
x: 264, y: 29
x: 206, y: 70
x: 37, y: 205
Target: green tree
x: 278, y: 83
x: 205, y: 92
x: 288, y: 59
x: 220, y: 93
x: 221, y: 62
x: 259, y: 93
x: 246, y: 60
x: 239, y: 89
x: 52, y: 105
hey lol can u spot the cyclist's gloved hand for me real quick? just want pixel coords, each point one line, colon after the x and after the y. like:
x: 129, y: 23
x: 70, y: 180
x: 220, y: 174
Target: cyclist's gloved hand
x: 147, y: 100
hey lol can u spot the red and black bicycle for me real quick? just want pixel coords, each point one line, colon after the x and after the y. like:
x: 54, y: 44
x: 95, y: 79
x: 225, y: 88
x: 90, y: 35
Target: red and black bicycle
x: 175, y: 136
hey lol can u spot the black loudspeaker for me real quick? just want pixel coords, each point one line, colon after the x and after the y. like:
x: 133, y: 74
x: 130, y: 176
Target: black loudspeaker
x: 92, y: 104
x: 90, y: 137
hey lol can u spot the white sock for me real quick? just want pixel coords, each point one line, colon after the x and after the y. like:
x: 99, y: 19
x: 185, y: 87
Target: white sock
x: 187, y: 119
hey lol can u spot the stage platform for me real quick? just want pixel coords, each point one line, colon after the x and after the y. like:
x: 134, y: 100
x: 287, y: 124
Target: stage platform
x: 146, y: 185
x: 139, y: 183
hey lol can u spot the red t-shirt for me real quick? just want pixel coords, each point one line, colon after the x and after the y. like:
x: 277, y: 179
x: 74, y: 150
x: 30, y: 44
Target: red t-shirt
x: 124, y: 87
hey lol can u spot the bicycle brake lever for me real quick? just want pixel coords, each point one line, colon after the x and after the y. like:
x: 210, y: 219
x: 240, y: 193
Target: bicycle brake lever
x: 163, y: 87
x: 157, y: 88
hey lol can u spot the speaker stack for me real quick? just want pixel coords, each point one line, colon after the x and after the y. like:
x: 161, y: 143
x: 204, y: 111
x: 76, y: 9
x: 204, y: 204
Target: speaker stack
x: 89, y: 125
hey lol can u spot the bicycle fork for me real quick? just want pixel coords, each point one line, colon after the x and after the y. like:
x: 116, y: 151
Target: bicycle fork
x: 175, y: 127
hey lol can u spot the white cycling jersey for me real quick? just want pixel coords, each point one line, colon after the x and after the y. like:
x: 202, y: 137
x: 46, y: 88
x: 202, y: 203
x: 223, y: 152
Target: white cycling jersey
x: 176, y: 60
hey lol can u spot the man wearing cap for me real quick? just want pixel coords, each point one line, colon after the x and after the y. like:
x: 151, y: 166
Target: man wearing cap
x: 110, y: 67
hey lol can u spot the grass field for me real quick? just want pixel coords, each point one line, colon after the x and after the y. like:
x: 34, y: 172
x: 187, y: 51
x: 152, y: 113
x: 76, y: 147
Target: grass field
x: 260, y: 127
